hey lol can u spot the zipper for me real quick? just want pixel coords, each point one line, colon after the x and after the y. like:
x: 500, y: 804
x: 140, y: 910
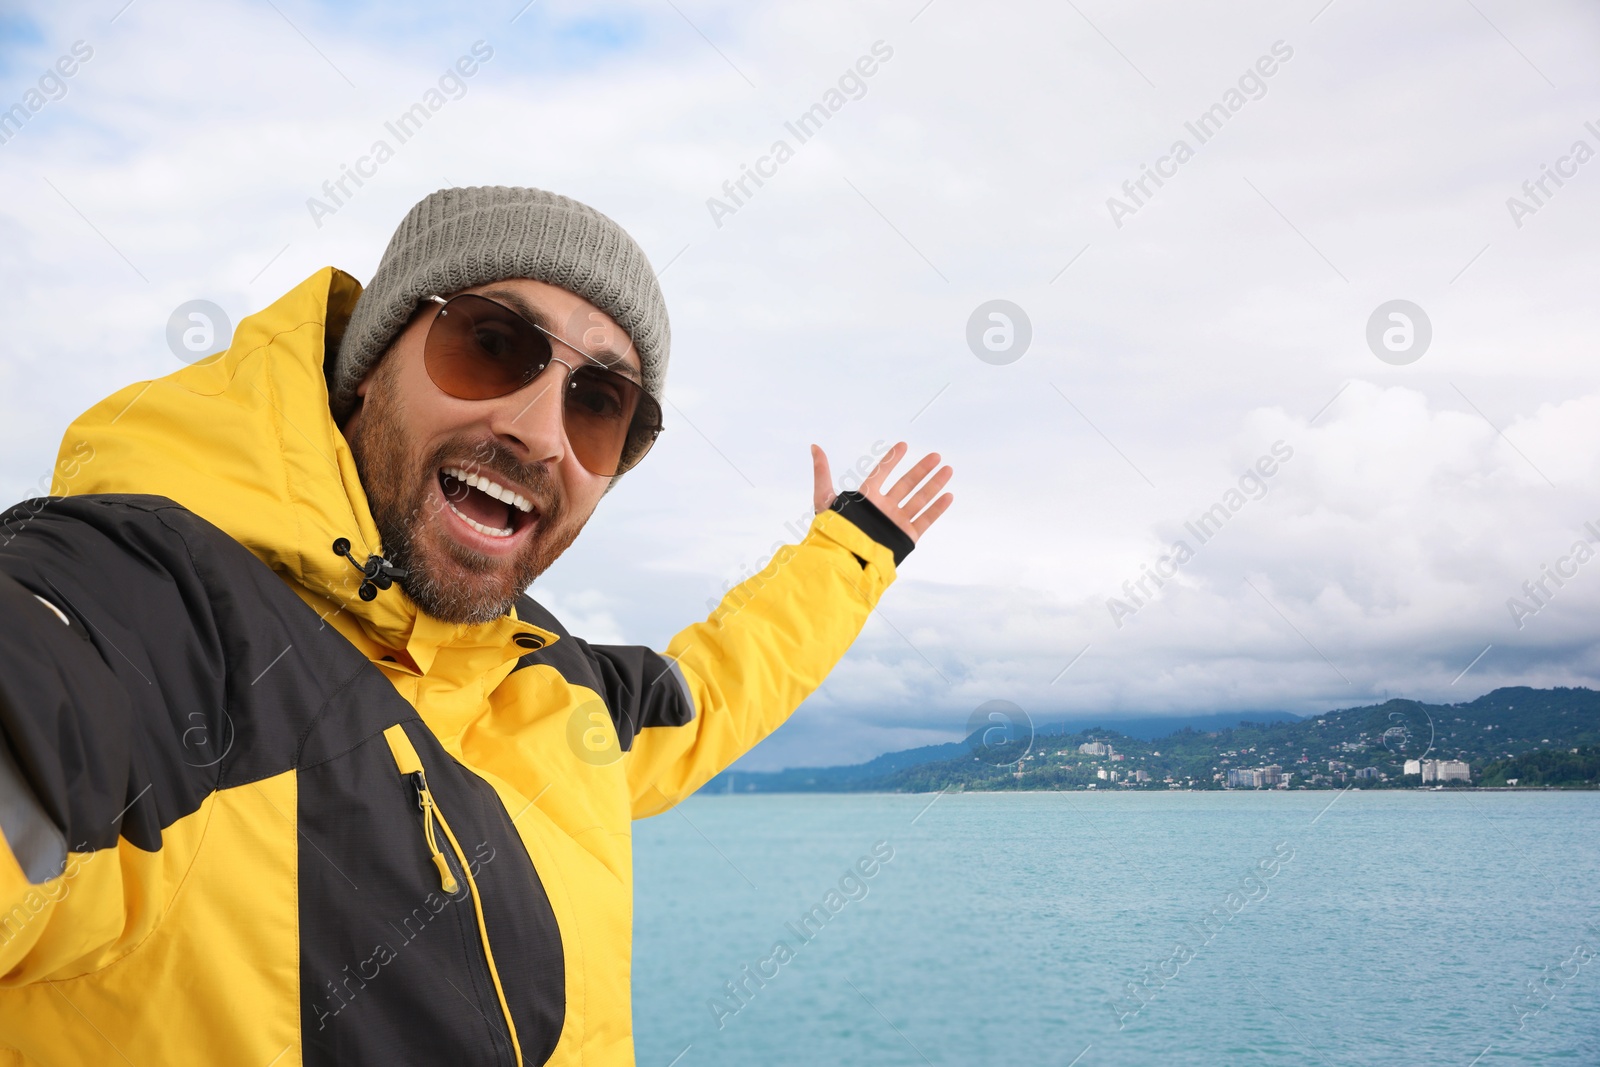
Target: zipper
x: 430, y: 814
x: 410, y: 766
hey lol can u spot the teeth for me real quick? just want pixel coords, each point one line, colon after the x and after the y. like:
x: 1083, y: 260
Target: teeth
x: 487, y: 531
x: 490, y: 488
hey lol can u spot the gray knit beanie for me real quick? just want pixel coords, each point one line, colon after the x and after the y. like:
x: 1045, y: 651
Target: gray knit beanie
x: 457, y: 238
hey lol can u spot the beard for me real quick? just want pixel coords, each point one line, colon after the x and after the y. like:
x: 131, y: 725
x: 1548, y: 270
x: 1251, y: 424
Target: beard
x: 446, y: 579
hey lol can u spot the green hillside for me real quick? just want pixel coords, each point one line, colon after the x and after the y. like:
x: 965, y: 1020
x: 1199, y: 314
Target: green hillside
x: 1564, y: 768
x: 1522, y: 733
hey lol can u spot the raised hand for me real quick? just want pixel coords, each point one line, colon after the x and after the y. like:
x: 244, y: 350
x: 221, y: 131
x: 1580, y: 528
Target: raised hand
x: 909, y: 502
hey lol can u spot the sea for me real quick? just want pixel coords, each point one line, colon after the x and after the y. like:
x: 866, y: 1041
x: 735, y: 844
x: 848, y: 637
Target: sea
x: 1087, y: 929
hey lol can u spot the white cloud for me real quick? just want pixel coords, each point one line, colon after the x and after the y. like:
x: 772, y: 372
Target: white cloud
x: 1219, y: 319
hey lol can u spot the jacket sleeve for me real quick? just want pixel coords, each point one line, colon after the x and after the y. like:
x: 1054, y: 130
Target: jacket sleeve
x: 724, y: 684
x: 85, y: 773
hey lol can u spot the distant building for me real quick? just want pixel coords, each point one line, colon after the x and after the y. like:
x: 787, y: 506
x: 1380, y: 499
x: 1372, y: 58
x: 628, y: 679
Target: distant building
x: 1446, y: 770
x: 1413, y: 766
x: 1101, y: 774
x: 1141, y: 776
x: 1454, y: 770
x: 1367, y: 772
x: 1338, y: 765
x: 1258, y: 778
x: 1096, y: 748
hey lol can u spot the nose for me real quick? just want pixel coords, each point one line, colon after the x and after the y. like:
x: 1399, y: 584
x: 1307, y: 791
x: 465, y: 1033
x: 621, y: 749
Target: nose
x: 532, y: 417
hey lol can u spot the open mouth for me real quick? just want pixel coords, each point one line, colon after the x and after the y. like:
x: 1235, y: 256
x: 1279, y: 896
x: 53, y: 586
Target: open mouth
x: 487, y: 506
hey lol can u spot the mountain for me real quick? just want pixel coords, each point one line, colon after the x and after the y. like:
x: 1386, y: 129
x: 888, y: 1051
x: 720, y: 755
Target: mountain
x: 850, y: 778
x: 1491, y: 733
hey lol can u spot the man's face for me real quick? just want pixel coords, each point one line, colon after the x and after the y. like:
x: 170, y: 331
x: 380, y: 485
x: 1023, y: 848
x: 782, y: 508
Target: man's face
x: 468, y: 554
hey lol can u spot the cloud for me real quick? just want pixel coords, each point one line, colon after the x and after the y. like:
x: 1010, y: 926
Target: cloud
x: 832, y: 307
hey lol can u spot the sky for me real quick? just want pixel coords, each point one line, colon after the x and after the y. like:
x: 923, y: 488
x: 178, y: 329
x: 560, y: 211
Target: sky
x: 1216, y: 341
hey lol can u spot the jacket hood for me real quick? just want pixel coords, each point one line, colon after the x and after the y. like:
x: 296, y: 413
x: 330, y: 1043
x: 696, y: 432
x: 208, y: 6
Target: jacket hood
x: 247, y: 441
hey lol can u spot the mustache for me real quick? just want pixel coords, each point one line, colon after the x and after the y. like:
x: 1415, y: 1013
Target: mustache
x: 489, y: 457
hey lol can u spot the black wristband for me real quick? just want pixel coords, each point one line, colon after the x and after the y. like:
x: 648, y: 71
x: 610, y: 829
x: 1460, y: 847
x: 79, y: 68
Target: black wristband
x: 870, y: 520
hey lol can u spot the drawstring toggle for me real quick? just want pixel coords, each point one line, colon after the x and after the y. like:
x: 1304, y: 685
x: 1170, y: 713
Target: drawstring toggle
x: 377, y: 573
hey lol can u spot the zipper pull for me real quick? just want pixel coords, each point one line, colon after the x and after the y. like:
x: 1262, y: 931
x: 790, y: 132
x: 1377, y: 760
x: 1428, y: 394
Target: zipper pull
x: 447, y: 881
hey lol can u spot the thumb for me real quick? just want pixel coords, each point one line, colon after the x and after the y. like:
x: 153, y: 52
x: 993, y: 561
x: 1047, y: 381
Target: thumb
x: 822, y: 480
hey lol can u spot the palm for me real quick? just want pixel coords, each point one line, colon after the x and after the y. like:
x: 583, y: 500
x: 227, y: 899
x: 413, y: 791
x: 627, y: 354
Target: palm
x: 912, y: 502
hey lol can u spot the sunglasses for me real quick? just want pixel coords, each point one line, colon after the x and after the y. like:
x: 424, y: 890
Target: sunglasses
x: 480, y: 349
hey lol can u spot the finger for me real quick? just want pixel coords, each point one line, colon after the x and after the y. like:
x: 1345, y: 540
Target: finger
x: 822, y: 480
x: 885, y: 465
x: 928, y: 491
x: 929, y: 517
x: 912, y: 478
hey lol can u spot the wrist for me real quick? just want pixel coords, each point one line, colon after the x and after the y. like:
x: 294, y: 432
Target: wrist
x: 870, y: 520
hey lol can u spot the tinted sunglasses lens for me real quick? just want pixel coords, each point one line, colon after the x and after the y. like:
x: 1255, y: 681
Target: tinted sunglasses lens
x: 642, y: 434
x: 606, y: 414
x: 477, y: 349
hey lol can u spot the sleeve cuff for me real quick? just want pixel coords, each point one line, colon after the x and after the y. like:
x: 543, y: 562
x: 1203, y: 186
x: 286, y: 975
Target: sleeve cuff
x: 867, y: 518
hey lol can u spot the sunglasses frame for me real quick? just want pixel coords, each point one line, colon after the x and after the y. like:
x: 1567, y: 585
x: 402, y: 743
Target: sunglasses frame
x: 442, y: 303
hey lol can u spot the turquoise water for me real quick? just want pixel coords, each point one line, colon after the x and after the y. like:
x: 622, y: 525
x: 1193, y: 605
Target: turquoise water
x: 1389, y: 928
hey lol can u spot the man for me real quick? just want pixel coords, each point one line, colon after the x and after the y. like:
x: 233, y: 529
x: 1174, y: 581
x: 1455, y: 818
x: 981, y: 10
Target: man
x: 370, y: 803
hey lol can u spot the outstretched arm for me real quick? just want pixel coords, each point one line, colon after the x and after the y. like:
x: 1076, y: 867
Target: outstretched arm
x: 735, y: 677
x: 107, y: 651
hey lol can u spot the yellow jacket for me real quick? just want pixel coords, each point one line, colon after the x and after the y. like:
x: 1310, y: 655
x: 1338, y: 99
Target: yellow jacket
x: 230, y: 842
